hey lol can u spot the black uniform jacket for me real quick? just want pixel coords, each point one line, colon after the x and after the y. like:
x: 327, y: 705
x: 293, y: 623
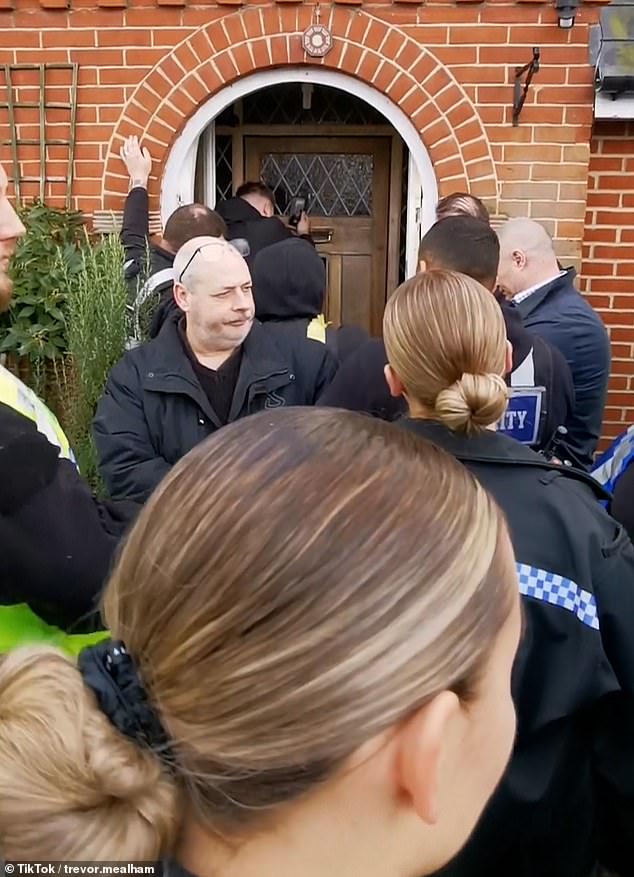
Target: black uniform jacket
x: 567, y: 799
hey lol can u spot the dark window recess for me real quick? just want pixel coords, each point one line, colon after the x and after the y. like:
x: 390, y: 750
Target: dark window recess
x: 224, y: 170
x: 284, y: 105
x: 224, y: 173
x: 199, y: 177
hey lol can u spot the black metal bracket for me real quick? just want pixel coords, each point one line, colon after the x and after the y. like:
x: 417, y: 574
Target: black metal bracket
x: 520, y: 89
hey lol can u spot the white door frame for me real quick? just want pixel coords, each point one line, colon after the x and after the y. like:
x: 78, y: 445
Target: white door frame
x: 178, y: 178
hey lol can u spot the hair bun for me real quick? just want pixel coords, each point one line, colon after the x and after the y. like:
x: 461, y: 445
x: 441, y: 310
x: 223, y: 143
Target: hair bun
x: 472, y: 403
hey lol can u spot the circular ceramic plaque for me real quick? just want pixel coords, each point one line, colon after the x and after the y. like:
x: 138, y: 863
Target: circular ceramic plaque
x: 317, y: 40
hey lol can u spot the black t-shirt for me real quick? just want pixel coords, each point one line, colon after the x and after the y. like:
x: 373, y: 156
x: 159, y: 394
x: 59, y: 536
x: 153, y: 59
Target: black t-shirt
x: 219, y: 384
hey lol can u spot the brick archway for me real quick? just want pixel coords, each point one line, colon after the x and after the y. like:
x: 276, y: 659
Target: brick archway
x: 365, y: 47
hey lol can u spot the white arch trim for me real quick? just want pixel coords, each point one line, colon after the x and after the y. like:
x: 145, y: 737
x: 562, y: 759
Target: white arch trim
x: 178, y: 179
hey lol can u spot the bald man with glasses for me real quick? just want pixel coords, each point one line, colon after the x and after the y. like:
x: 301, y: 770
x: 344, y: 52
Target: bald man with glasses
x: 211, y: 364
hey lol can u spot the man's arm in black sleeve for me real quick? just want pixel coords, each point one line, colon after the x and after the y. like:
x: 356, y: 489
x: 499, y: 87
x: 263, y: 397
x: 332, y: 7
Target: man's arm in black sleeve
x: 135, y: 230
x: 58, y: 541
x: 622, y: 507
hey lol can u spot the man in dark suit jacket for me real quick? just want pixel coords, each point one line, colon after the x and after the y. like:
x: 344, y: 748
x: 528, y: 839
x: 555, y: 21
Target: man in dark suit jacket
x: 550, y: 306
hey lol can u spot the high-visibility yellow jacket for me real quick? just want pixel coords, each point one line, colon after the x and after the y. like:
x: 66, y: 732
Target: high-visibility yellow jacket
x: 18, y: 396
x: 19, y: 625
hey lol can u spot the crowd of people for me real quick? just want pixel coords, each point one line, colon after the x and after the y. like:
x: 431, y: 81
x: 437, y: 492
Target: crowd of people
x: 354, y: 606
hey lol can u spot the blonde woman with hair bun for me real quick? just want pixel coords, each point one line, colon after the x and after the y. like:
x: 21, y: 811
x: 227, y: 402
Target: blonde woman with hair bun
x: 309, y: 673
x: 564, y: 806
x: 460, y: 387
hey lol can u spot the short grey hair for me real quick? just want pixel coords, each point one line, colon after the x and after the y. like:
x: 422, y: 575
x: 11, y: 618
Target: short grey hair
x: 199, y: 252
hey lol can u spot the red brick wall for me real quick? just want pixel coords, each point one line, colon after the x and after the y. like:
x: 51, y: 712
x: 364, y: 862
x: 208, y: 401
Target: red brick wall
x: 608, y: 259
x: 145, y: 65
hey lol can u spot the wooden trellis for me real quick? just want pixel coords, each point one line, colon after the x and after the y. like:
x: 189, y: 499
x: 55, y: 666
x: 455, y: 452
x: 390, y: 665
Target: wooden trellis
x: 15, y: 142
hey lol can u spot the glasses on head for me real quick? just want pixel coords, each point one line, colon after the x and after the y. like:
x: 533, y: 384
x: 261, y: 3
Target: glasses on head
x: 240, y: 245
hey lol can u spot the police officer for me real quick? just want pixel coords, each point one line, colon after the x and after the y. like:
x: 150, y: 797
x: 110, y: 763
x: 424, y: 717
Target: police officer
x: 614, y: 470
x: 566, y: 803
x: 56, y: 539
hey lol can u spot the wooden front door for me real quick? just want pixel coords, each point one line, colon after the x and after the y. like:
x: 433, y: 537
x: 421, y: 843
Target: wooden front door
x: 347, y: 179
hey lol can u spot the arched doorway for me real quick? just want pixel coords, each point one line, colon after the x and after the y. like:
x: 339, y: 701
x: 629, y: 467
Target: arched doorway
x: 178, y: 185
x: 370, y: 193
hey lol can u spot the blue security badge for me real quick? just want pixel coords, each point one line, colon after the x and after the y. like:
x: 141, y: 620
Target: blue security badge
x: 521, y: 420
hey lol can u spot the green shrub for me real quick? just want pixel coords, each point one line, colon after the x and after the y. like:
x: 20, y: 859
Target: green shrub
x: 45, y: 258
x: 96, y: 329
x: 67, y: 324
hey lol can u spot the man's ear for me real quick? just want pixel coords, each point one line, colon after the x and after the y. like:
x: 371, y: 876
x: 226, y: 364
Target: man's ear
x: 181, y: 296
x: 422, y: 741
x: 508, y: 362
x: 394, y: 382
x: 422, y: 266
x: 519, y: 258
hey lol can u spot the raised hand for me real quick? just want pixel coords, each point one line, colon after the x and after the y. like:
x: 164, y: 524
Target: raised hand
x: 303, y: 226
x: 138, y: 161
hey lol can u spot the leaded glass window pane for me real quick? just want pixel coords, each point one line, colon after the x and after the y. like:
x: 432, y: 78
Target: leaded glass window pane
x: 338, y: 184
x: 224, y: 170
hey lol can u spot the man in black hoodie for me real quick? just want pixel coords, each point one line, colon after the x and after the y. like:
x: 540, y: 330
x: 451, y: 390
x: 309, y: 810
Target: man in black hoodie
x: 289, y: 286
x: 465, y: 244
x: 251, y: 216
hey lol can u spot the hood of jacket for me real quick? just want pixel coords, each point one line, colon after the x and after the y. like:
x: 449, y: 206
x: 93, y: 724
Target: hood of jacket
x: 237, y: 210
x: 160, y: 258
x: 289, y: 281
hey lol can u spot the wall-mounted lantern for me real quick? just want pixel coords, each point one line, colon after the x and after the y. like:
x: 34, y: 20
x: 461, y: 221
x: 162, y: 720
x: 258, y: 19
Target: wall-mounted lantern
x: 566, y: 10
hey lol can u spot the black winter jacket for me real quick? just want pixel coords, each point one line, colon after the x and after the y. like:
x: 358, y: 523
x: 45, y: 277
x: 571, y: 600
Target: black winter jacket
x: 154, y: 410
x: 244, y: 221
x: 562, y: 316
x: 567, y: 798
x: 57, y: 541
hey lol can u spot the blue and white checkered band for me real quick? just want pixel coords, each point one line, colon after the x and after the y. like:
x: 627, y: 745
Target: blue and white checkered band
x: 558, y: 591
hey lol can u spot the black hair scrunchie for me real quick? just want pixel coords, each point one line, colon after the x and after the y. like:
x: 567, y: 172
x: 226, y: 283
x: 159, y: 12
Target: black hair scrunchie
x: 109, y: 671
